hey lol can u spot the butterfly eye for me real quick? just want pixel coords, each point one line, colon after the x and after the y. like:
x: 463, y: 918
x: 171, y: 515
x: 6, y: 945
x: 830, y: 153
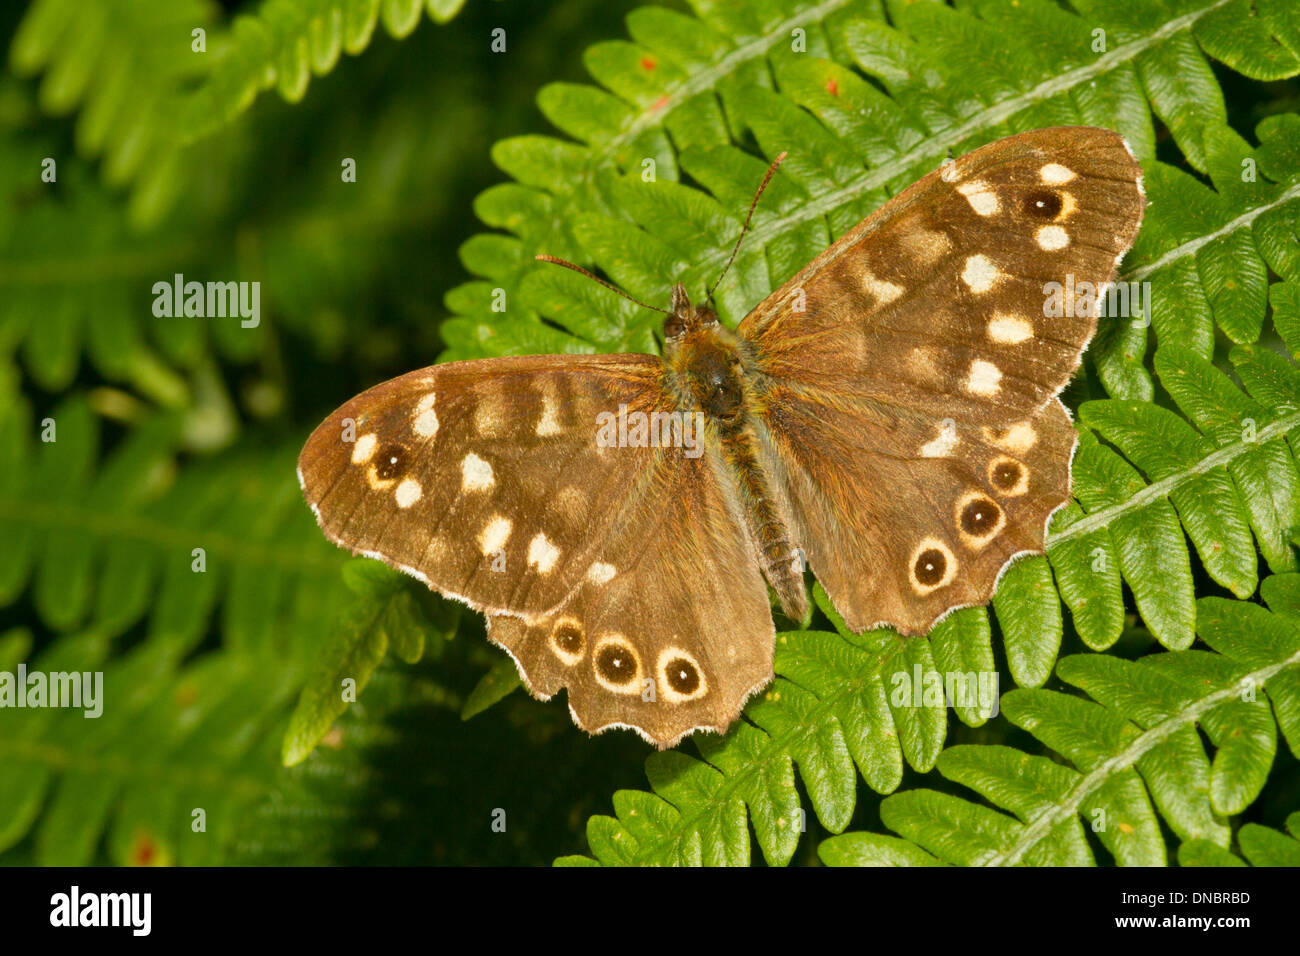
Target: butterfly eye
x: 1043, y: 204
x: 673, y: 326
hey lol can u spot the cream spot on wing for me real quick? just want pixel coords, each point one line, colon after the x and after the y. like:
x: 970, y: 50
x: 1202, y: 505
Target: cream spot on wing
x: 680, y: 676
x: 488, y: 418
x: 948, y: 170
x: 1054, y: 174
x: 494, y: 535
x: 408, y: 493
x: 364, y: 448
x: 884, y: 291
x: 571, y: 503
x: 926, y: 246
x: 1017, y: 438
x: 1068, y: 205
x: 922, y: 363
x: 942, y: 445
x: 980, y: 274
x: 475, y: 474
x: 601, y: 573
x: 549, y: 423
x: 542, y: 554
x: 1009, y: 329
x: 985, y: 378
x: 426, y: 419
x: 1052, y: 238
x: 436, y: 550
x: 931, y: 566
x: 981, y: 198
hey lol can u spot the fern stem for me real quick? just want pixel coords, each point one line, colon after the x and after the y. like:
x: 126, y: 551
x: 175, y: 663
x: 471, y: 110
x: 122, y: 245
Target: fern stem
x: 1144, y: 742
x: 1165, y: 486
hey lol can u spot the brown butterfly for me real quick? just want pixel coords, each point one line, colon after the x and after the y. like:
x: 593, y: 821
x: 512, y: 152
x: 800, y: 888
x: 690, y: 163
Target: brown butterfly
x: 890, y: 414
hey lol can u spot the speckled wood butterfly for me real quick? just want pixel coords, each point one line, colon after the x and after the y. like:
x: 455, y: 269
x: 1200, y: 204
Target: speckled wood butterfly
x: 890, y: 414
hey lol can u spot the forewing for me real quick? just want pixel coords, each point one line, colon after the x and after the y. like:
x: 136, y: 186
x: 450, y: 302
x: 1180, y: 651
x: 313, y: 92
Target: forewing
x: 936, y: 301
x: 485, y: 479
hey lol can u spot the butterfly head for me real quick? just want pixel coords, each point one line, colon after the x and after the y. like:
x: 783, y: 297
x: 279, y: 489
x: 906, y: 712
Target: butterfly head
x: 684, y: 318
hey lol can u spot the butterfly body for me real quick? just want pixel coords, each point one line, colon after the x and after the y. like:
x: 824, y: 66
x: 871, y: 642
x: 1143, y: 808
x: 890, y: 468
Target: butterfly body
x: 713, y: 371
x: 889, y: 415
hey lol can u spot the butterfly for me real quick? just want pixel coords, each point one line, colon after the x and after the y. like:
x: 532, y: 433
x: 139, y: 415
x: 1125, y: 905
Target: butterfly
x: 888, y: 417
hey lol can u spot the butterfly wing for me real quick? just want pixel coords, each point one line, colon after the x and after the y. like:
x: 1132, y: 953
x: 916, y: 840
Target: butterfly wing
x: 907, y: 378
x: 679, y: 638
x: 599, y: 567
x: 484, y: 479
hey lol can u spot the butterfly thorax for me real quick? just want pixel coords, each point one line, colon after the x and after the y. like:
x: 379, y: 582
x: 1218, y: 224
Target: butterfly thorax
x: 709, y: 368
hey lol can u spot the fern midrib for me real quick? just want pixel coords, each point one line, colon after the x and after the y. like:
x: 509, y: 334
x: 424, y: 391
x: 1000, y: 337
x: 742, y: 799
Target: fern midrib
x: 938, y: 145
x: 706, y: 79
x: 1191, y: 247
x: 1165, y: 486
x: 1138, y: 747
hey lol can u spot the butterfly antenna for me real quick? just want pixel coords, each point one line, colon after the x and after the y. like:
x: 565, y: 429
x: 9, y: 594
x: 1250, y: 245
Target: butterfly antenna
x: 771, y: 171
x: 595, y: 278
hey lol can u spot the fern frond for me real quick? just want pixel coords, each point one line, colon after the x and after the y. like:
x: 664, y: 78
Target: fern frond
x: 1135, y: 757
x: 287, y: 42
x: 146, y: 94
x: 167, y: 773
x: 676, y: 100
x: 1262, y: 846
x: 107, y: 546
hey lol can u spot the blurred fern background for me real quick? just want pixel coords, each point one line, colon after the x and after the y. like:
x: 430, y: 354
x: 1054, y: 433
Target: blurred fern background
x: 220, y: 155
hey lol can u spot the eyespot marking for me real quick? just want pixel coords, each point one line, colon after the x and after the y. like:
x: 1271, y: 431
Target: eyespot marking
x: 932, y: 566
x: 979, y: 519
x: 616, y: 665
x: 1008, y: 476
x: 566, y: 640
x: 681, y: 678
